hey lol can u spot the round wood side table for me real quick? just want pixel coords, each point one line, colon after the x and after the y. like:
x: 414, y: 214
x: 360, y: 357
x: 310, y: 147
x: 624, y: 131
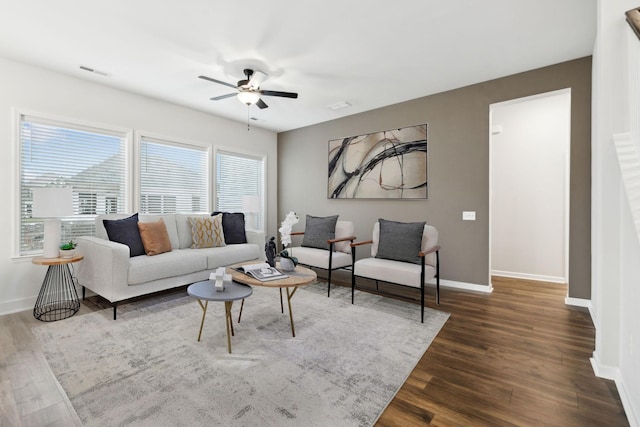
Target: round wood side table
x: 58, y: 298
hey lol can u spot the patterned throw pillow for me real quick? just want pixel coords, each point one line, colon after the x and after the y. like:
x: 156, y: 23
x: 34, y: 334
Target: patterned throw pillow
x: 206, y: 232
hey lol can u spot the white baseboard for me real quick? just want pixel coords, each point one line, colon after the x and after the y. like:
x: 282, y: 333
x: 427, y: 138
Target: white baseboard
x: 24, y: 304
x: 526, y: 276
x: 578, y: 302
x: 464, y: 286
x: 16, y: 305
x: 629, y: 411
x: 613, y: 373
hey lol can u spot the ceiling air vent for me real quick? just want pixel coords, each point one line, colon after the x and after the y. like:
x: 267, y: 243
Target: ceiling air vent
x: 93, y: 70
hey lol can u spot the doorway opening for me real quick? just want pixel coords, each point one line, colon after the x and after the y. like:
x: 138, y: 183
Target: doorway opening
x: 529, y: 187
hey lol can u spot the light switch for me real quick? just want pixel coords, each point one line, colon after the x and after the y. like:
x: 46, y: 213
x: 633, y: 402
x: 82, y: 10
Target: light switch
x: 469, y: 215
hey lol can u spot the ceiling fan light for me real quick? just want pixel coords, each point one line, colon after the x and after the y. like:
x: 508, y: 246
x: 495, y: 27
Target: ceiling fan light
x: 248, y: 98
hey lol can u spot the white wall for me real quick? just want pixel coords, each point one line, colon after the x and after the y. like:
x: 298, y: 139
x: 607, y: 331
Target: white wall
x: 529, y: 149
x: 39, y: 90
x: 616, y: 270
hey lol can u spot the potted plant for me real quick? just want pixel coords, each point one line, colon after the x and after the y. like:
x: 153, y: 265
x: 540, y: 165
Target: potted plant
x: 68, y: 250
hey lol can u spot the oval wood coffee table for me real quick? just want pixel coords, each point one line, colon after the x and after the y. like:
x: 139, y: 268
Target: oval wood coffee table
x: 299, y: 277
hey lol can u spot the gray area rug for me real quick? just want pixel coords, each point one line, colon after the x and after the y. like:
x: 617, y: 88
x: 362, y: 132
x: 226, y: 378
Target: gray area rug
x: 147, y: 369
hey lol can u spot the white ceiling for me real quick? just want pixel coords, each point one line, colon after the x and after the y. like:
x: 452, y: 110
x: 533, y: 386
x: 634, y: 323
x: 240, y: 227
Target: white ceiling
x: 369, y: 53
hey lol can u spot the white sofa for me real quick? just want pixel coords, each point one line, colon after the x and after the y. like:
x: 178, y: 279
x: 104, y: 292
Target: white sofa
x: 108, y: 270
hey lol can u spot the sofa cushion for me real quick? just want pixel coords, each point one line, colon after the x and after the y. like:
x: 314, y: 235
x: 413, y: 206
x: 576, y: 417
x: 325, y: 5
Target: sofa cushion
x: 233, y: 226
x: 230, y: 254
x: 169, y: 264
x: 183, y: 228
x: 400, y: 241
x: 125, y: 231
x: 155, y: 237
x: 206, y: 232
x: 318, y: 230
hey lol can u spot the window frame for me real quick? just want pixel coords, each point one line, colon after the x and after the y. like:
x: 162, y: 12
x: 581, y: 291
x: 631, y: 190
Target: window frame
x: 64, y: 122
x: 247, y: 154
x: 171, y: 141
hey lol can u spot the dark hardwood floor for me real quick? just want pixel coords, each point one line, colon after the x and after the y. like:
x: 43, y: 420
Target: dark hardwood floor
x: 516, y: 357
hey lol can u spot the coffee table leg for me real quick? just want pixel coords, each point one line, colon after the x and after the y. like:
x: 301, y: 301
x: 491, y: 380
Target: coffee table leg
x: 282, y: 305
x: 227, y: 308
x: 204, y: 313
x: 241, y: 307
x: 289, y: 296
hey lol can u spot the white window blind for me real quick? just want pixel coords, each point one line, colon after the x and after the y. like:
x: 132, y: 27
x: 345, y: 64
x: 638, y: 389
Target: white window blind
x: 56, y: 154
x: 239, y: 175
x: 173, y: 177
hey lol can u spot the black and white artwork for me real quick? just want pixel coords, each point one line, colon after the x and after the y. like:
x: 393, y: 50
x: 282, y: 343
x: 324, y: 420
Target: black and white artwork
x: 391, y: 164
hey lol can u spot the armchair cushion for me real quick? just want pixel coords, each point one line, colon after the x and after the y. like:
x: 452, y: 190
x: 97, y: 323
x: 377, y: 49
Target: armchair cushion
x: 400, y: 241
x: 125, y: 231
x: 318, y: 230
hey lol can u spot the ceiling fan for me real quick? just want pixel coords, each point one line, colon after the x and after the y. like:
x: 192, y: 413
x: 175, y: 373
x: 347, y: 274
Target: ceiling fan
x: 248, y: 90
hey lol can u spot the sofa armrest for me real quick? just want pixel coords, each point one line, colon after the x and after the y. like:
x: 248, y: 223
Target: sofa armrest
x: 105, y: 267
x: 256, y: 237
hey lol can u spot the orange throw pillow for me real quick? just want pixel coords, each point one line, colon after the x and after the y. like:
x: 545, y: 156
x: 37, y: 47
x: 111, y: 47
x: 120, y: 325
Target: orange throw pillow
x: 155, y: 237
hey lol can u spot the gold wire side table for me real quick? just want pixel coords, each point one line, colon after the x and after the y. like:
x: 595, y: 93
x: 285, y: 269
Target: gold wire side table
x: 58, y: 298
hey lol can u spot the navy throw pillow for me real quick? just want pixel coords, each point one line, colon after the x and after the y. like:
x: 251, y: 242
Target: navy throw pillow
x: 233, y: 227
x: 125, y: 231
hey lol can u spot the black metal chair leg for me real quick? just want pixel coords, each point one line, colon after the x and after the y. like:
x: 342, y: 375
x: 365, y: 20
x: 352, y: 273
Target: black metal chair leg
x: 329, y: 284
x: 438, y: 277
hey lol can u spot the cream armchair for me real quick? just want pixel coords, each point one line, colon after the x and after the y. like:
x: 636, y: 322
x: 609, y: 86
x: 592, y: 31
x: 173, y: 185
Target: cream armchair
x: 400, y: 255
x: 336, y: 256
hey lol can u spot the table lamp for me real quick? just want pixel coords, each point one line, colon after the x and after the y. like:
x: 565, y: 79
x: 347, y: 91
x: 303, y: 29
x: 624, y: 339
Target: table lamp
x: 52, y: 203
x: 251, y: 206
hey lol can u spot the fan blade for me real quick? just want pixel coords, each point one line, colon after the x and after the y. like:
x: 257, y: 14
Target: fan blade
x: 257, y: 78
x: 276, y: 93
x: 261, y: 105
x: 217, y: 81
x: 218, y: 98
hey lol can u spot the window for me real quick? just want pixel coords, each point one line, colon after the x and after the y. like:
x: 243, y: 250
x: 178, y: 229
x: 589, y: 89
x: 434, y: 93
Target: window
x: 173, y: 177
x: 239, y: 175
x: 88, y: 203
x: 90, y: 160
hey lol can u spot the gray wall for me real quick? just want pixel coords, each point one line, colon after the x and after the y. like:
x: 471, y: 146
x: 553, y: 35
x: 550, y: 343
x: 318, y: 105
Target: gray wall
x: 458, y: 145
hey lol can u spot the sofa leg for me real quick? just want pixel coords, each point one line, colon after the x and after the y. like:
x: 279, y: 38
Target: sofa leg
x: 115, y: 306
x: 84, y: 290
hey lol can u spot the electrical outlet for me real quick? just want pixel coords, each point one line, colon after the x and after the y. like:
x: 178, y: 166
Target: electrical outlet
x: 469, y: 215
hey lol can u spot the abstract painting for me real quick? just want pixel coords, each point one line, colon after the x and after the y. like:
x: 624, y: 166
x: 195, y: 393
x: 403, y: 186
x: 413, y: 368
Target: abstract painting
x: 391, y: 164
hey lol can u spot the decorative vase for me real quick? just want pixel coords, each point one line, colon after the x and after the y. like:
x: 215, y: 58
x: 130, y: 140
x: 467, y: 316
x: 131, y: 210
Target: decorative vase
x: 286, y: 264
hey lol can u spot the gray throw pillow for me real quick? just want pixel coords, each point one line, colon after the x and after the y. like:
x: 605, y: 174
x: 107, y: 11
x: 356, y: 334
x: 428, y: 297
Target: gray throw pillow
x: 318, y: 230
x: 400, y: 241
